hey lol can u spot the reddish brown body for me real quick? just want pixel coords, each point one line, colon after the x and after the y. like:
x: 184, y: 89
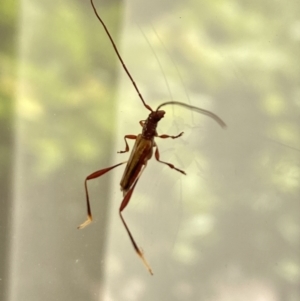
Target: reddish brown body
x: 140, y: 154
x: 142, y: 151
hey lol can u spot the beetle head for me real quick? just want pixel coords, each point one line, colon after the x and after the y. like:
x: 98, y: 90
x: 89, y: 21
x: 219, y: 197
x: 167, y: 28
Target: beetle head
x: 157, y: 115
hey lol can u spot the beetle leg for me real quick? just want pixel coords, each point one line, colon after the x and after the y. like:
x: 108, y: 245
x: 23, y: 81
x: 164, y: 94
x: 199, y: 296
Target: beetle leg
x: 167, y: 136
x: 133, y: 137
x: 169, y: 164
x: 94, y: 175
x: 122, y: 207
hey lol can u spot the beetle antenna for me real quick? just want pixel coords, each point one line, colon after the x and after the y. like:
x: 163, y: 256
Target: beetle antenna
x: 196, y: 109
x: 119, y: 56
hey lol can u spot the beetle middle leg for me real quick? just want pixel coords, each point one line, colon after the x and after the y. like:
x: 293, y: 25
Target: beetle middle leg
x: 169, y: 164
x: 94, y: 175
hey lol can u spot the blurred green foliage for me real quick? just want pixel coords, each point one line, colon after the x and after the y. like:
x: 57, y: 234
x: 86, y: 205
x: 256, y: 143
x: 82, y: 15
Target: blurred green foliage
x: 8, y: 63
x: 51, y: 109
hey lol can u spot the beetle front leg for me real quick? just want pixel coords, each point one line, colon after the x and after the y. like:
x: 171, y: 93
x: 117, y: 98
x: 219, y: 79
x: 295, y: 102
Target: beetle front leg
x: 168, y: 136
x: 133, y: 137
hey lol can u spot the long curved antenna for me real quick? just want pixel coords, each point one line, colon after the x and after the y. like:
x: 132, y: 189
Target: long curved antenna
x: 119, y: 56
x: 196, y: 109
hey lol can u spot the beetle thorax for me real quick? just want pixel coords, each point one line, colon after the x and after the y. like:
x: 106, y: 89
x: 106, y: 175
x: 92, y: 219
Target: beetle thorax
x: 149, y: 128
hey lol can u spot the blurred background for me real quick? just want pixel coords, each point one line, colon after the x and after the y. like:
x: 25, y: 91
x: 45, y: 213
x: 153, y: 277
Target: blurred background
x: 229, y: 229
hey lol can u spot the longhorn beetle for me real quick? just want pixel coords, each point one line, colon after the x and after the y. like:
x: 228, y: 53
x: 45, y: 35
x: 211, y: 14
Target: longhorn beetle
x: 142, y: 150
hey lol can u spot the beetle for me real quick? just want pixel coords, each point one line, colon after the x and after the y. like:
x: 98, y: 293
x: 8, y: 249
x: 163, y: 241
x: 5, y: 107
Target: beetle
x: 142, y: 150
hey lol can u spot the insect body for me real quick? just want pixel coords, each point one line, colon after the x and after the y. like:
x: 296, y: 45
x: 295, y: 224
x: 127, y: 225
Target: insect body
x: 142, y: 151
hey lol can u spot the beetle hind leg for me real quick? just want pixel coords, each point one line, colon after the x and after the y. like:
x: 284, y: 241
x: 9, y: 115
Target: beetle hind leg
x: 122, y: 207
